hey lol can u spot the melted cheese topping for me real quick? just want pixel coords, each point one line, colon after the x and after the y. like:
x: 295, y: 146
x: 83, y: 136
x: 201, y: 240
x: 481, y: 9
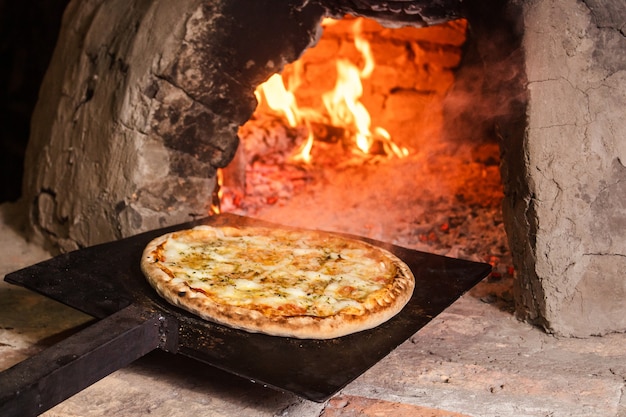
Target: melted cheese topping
x: 282, y: 274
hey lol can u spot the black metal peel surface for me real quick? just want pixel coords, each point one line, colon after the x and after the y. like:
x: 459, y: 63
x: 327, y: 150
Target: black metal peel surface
x: 106, y: 281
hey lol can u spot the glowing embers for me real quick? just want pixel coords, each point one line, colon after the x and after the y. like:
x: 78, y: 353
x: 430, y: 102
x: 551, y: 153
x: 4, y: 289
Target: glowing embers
x: 341, y: 117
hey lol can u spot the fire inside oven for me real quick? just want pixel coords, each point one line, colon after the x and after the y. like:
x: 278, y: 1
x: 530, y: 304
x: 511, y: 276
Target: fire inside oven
x: 352, y: 138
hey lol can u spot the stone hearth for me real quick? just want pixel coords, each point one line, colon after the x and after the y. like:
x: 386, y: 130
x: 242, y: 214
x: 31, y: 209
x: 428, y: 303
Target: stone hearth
x: 472, y: 360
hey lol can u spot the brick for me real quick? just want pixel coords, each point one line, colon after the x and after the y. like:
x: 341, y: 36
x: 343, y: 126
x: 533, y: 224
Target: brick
x: 349, y: 406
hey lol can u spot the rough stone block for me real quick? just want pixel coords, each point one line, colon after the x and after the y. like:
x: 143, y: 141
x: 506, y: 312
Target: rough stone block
x: 572, y: 282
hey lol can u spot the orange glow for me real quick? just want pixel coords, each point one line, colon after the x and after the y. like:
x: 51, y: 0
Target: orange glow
x: 342, y: 106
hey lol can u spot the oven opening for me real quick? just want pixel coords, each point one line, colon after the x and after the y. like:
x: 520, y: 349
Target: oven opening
x: 352, y: 138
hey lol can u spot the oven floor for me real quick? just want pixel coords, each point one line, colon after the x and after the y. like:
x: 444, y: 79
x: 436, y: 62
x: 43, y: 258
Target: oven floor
x: 475, y: 359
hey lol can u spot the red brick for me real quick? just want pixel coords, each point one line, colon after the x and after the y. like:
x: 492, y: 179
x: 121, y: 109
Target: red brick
x: 352, y: 406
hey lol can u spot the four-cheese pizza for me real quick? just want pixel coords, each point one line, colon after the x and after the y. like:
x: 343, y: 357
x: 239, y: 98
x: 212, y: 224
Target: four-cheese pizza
x: 278, y: 281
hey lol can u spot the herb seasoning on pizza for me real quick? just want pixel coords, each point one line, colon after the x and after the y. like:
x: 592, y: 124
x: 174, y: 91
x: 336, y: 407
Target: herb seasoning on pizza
x: 278, y: 281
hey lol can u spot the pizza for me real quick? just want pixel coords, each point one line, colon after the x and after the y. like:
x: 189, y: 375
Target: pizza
x: 278, y: 281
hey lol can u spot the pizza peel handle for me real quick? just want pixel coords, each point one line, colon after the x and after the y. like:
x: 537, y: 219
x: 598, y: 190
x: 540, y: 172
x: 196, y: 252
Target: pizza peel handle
x: 46, y: 379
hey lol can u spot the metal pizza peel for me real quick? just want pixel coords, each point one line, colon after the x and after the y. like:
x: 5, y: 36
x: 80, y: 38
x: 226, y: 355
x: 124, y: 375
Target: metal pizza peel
x: 106, y: 282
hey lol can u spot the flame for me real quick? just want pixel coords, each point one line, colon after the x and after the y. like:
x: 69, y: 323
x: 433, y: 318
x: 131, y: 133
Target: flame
x: 218, y: 193
x: 275, y: 95
x: 363, y: 46
x: 303, y: 153
x: 342, y: 105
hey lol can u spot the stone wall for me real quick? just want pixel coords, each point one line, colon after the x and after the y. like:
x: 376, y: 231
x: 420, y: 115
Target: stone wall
x: 566, y: 201
x: 141, y: 104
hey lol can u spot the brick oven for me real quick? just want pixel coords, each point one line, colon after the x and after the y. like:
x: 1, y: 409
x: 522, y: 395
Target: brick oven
x: 142, y: 103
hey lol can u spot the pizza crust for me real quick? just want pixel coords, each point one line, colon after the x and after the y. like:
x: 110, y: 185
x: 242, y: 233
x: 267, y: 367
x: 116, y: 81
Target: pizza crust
x: 379, y: 307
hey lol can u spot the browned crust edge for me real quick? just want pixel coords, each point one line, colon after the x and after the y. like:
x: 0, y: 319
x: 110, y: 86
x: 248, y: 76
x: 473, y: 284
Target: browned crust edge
x: 302, y: 327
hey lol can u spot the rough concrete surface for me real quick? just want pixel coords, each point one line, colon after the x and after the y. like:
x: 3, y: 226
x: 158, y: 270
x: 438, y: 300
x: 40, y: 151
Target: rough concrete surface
x: 475, y: 359
x: 576, y: 166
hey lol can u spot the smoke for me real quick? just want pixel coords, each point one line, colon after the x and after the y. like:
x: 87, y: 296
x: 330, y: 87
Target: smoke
x: 489, y: 94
